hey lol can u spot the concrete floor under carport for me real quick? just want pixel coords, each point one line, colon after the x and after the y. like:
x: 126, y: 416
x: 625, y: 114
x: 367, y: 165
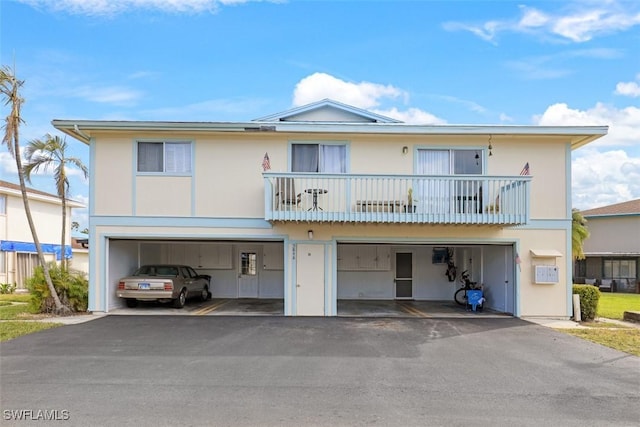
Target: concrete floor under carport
x: 346, y: 308
x: 408, y: 308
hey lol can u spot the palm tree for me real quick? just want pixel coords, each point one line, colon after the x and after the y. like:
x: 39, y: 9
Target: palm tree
x: 51, y: 152
x: 9, y: 88
x: 579, y: 233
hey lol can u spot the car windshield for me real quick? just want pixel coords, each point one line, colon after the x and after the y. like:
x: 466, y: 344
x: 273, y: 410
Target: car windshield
x: 156, y: 270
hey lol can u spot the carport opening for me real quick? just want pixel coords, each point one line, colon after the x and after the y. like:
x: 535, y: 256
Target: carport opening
x: 247, y: 277
x: 383, y: 279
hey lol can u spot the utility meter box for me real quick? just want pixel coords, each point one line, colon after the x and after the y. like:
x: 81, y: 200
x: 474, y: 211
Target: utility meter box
x: 546, y: 274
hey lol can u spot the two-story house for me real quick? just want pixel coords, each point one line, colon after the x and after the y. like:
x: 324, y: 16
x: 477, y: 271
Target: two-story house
x: 327, y: 202
x: 18, y: 256
x: 612, y: 251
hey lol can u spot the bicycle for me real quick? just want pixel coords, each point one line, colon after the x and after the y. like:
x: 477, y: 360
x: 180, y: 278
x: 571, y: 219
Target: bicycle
x: 460, y: 296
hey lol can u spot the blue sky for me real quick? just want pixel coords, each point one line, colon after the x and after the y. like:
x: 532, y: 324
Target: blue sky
x: 455, y: 62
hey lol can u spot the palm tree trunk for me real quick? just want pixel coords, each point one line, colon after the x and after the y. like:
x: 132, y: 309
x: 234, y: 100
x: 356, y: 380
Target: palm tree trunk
x: 63, y: 259
x: 60, y: 308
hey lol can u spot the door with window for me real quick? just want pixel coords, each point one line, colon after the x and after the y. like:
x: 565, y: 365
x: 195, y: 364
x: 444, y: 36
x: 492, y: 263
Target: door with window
x: 404, y: 275
x: 445, y: 196
x: 248, y: 277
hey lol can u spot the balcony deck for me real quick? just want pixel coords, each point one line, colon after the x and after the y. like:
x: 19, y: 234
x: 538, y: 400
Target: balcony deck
x: 362, y: 198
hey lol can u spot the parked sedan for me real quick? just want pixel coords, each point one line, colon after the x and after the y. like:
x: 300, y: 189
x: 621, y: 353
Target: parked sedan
x: 164, y: 283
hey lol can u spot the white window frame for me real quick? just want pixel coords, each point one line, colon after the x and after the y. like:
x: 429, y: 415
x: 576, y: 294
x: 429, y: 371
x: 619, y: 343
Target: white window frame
x: 320, y: 144
x: 3, y: 204
x: 452, y: 161
x: 168, y: 148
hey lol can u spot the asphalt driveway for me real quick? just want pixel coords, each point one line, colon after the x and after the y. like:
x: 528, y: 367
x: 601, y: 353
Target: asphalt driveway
x: 279, y: 371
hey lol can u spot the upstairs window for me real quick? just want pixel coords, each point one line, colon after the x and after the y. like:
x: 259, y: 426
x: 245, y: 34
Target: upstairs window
x: 449, y: 162
x: 3, y: 204
x: 164, y: 157
x: 323, y: 158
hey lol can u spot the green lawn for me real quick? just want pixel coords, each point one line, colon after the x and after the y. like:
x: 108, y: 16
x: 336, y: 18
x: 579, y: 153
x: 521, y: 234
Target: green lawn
x: 13, y: 329
x: 13, y: 309
x: 13, y: 306
x: 623, y: 339
x: 15, y: 297
x: 612, y: 305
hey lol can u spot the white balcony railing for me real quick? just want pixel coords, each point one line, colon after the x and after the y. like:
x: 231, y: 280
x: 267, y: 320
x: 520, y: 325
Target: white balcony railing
x: 435, y: 199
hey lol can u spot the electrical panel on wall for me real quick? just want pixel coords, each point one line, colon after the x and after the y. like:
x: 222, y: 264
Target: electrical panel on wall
x: 546, y: 274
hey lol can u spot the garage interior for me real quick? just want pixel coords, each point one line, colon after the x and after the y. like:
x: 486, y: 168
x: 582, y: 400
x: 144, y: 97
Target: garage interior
x: 418, y: 272
x: 373, y: 279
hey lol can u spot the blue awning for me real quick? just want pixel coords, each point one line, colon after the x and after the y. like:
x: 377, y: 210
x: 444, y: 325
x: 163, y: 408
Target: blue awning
x: 49, y: 248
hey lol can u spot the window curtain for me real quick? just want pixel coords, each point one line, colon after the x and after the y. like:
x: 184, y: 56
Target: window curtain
x: 433, y: 162
x: 25, y: 265
x: 178, y: 157
x: 433, y: 195
x: 150, y: 156
x: 304, y: 158
x: 333, y: 159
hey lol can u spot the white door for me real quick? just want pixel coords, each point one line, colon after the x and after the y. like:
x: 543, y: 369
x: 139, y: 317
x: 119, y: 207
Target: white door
x: 248, y: 278
x: 310, y: 280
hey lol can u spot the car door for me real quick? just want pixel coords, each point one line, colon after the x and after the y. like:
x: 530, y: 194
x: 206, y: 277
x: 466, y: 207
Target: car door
x: 190, y: 281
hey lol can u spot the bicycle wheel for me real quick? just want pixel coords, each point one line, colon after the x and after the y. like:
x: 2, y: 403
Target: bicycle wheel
x: 461, y: 296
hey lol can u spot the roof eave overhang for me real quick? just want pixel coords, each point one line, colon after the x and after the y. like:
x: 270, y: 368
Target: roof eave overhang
x: 43, y: 198
x: 83, y: 129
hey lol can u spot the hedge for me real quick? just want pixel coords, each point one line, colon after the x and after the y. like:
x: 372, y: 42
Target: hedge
x: 589, y: 297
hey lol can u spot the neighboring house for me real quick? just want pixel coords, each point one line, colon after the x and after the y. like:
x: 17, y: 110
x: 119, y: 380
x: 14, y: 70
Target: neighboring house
x: 18, y: 256
x: 353, y: 205
x: 612, y: 250
x: 80, y: 259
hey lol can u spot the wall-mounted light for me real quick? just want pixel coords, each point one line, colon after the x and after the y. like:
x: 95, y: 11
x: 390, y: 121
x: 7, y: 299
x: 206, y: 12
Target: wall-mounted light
x: 310, y: 234
x: 405, y: 149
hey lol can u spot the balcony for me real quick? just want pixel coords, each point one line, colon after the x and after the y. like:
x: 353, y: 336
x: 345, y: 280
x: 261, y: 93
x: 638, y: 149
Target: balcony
x: 409, y: 199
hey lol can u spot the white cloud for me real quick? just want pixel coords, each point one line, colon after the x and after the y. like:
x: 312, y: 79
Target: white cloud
x: 363, y: 95
x: 114, y: 7
x: 602, y: 178
x: 579, y: 21
x: 606, y: 171
x: 7, y: 165
x: 583, y: 26
x: 412, y: 116
x: 628, y: 89
x: 624, y: 123
x: 533, y: 18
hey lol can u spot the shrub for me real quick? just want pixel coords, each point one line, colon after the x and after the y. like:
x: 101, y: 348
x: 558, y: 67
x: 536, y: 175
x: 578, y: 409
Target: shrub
x: 72, y: 289
x: 7, y: 288
x: 589, y: 297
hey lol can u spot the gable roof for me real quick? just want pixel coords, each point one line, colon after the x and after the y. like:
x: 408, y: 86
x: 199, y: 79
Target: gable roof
x: 632, y: 207
x: 328, y: 111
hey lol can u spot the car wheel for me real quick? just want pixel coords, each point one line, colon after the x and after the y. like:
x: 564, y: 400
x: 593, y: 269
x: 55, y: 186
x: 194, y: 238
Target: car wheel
x: 131, y: 302
x: 181, y: 300
x: 204, y: 295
